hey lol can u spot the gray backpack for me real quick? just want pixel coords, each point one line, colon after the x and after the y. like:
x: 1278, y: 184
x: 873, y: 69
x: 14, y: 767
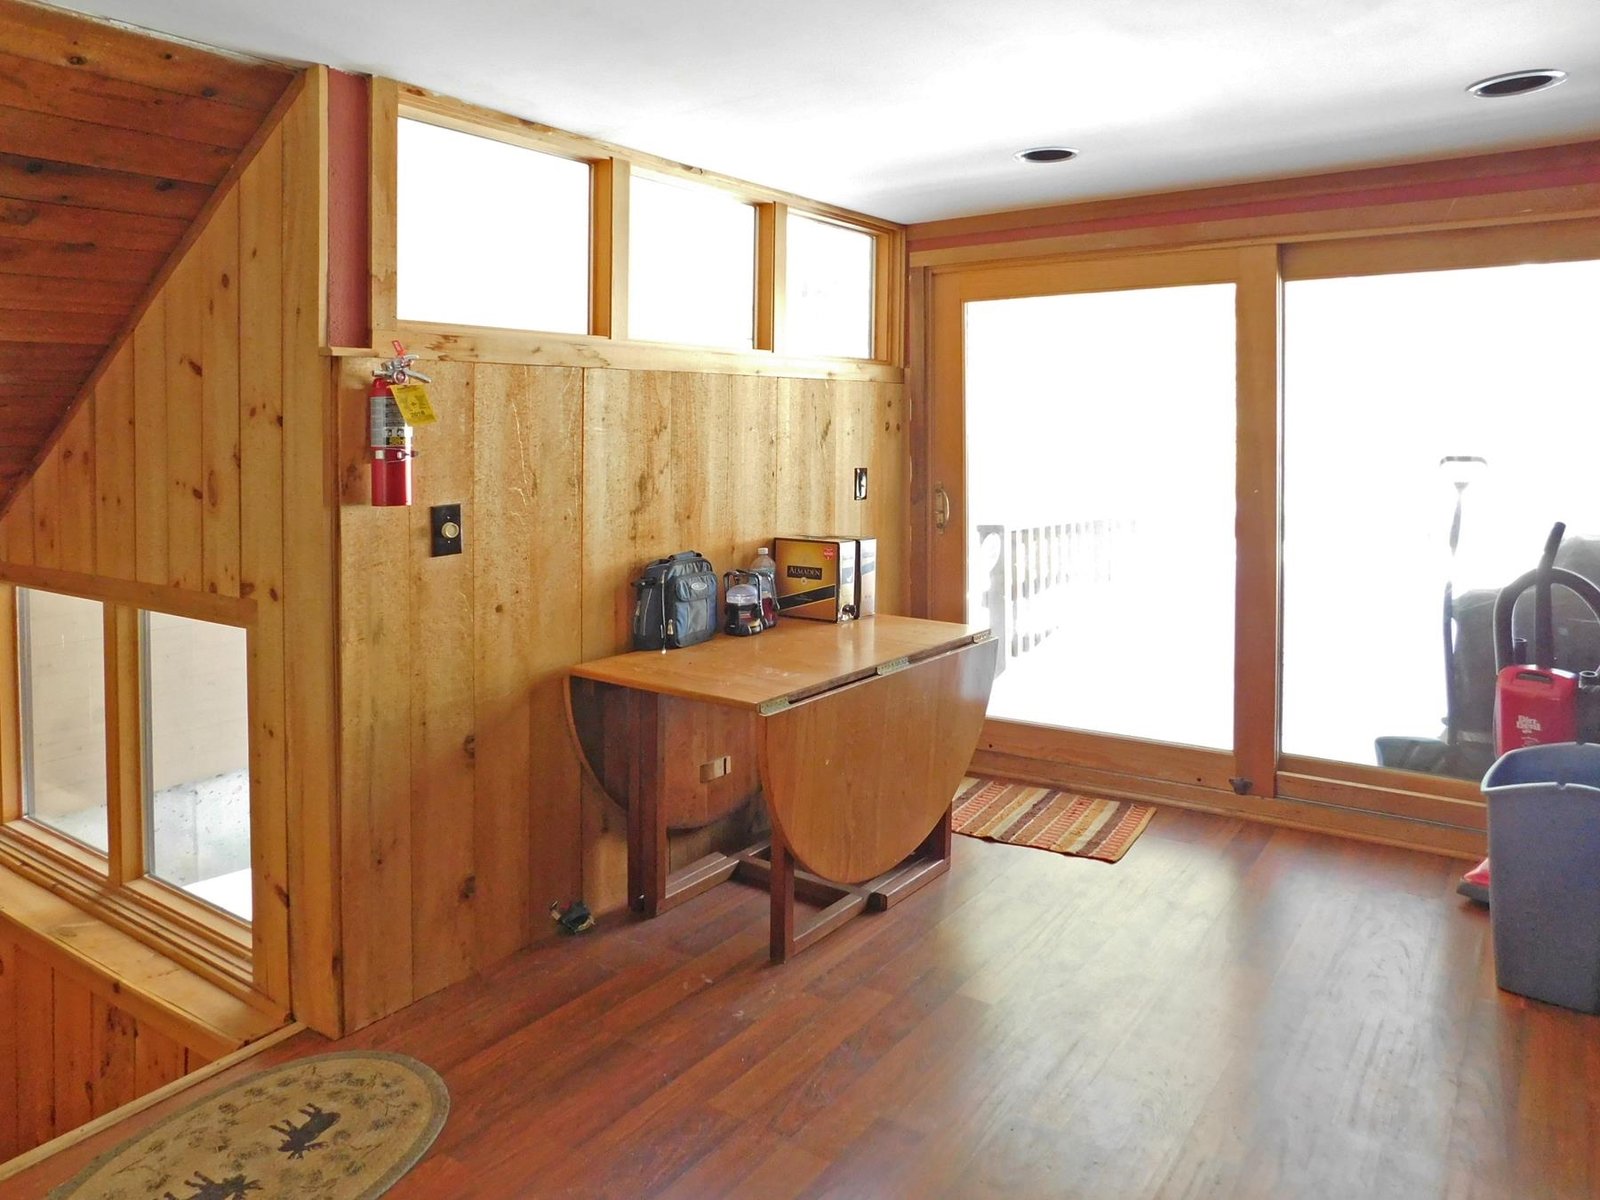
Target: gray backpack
x: 675, y: 602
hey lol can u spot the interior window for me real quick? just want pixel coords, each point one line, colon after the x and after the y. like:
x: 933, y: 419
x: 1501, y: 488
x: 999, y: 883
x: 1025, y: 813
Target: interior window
x: 197, y: 793
x: 490, y: 233
x: 828, y: 299
x: 692, y: 264
x: 1414, y: 405
x: 61, y: 659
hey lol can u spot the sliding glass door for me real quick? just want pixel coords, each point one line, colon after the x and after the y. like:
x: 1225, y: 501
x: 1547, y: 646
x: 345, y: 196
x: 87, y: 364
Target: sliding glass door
x: 1099, y: 507
x: 1240, y: 517
x: 1434, y: 430
x: 1085, y: 463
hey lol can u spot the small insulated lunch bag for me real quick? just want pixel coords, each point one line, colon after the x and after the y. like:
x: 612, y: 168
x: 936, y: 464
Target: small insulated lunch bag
x: 675, y: 602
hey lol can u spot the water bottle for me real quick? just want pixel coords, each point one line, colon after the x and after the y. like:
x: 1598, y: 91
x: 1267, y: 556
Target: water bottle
x: 764, y: 567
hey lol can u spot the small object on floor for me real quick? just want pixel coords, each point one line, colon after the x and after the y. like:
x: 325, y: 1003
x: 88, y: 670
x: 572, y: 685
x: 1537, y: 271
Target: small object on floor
x: 1474, y: 884
x: 573, y: 916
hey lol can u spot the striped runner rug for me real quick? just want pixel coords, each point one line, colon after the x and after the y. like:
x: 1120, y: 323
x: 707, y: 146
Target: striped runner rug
x: 1023, y: 814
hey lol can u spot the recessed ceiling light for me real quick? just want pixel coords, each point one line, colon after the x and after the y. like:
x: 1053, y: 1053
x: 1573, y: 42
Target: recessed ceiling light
x: 1046, y: 154
x: 1516, y: 83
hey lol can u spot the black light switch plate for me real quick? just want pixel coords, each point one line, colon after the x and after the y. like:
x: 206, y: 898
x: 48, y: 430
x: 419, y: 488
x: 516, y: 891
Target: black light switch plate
x: 446, y: 528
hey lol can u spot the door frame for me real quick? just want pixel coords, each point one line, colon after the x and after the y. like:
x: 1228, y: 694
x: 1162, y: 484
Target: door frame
x: 1104, y: 760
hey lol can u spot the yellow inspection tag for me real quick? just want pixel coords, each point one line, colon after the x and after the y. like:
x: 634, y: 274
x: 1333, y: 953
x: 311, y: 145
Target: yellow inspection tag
x: 412, y: 400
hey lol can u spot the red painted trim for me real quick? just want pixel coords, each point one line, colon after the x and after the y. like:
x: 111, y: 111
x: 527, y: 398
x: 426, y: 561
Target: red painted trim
x: 1373, y: 197
x: 349, y: 210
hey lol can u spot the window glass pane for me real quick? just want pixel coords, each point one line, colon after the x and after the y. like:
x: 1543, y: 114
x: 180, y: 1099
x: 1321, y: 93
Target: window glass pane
x: 692, y: 264
x: 490, y: 233
x: 1385, y: 377
x: 1100, y: 491
x: 63, y: 684
x: 828, y: 304
x: 197, y: 726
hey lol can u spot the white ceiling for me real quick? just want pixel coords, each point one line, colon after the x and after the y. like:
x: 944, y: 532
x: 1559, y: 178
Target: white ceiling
x: 912, y: 110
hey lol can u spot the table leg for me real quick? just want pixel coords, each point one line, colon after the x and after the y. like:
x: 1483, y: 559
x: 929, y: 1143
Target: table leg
x: 782, y: 884
x: 647, y: 825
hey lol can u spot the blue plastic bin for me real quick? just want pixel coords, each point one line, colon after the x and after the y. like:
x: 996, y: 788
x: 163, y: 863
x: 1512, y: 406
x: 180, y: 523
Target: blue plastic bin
x: 1544, y: 882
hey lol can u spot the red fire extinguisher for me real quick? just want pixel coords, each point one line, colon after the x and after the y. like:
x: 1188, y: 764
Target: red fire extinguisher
x: 391, y: 435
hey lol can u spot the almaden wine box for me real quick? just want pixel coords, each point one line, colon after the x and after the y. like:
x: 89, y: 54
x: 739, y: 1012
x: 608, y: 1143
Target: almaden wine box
x: 826, y: 578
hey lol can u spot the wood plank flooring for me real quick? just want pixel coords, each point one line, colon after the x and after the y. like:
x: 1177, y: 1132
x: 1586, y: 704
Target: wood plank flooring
x: 1232, y: 1011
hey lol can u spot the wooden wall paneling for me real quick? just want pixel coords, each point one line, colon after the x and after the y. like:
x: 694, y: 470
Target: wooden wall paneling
x: 852, y: 412
x: 221, y: 338
x: 700, y: 505
x: 442, y: 663
x: 112, y: 1037
x: 99, y: 49
x: 506, y: 625
x: 157, y: 1059
x: 115, y: 531
x: 310, y: 511
x: 41, y: 220
x: 628, y: 503
x: 186, y: 297
x: 750, y: 418
x: 47, y: 510
x: 16, y: 527
x: 76, y: 490
x: 31, y: 178
x: 261, y: 551
x: 36, y: 1072
x: 375, y: 756
x: 58, y: 89
x: 151, y: 476
x: 74, y: 1024
x: 376, y: 725
x: 526, y: 504
x: 807, y: 456
x: 888, y: 512
x: 555, y: 640
x: 10, y: 1081
x: 627, y: 520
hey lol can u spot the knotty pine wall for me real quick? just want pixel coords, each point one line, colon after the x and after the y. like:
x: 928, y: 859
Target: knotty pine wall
x: 204, y: 441
x: 463, y: 815
x: 72, y: 1048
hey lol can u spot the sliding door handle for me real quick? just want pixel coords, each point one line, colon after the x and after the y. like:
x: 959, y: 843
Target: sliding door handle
x: 941, y: 507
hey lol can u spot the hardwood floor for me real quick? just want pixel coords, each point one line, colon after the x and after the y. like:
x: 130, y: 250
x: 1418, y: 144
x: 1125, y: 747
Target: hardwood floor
x: 1232, y: 1011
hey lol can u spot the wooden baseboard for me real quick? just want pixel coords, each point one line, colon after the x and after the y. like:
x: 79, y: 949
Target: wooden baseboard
x: 1381, y: 828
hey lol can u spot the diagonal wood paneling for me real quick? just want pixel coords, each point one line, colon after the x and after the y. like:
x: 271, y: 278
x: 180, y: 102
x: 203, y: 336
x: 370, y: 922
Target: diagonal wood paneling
x: 112, y: 142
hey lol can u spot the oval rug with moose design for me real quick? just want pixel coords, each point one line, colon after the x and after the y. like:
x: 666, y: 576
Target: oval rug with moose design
x: 340, y: 1126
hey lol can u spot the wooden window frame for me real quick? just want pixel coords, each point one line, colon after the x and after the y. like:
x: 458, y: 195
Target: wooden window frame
x: 607, y: 343
x: 115, y: 887
x: 1368, y: 802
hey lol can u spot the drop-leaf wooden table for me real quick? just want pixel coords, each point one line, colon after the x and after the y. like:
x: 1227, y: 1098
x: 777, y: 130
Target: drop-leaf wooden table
x: 856, y: 733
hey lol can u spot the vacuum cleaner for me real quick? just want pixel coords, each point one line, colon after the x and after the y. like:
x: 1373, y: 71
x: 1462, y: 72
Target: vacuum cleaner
x: 1536, y: 702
